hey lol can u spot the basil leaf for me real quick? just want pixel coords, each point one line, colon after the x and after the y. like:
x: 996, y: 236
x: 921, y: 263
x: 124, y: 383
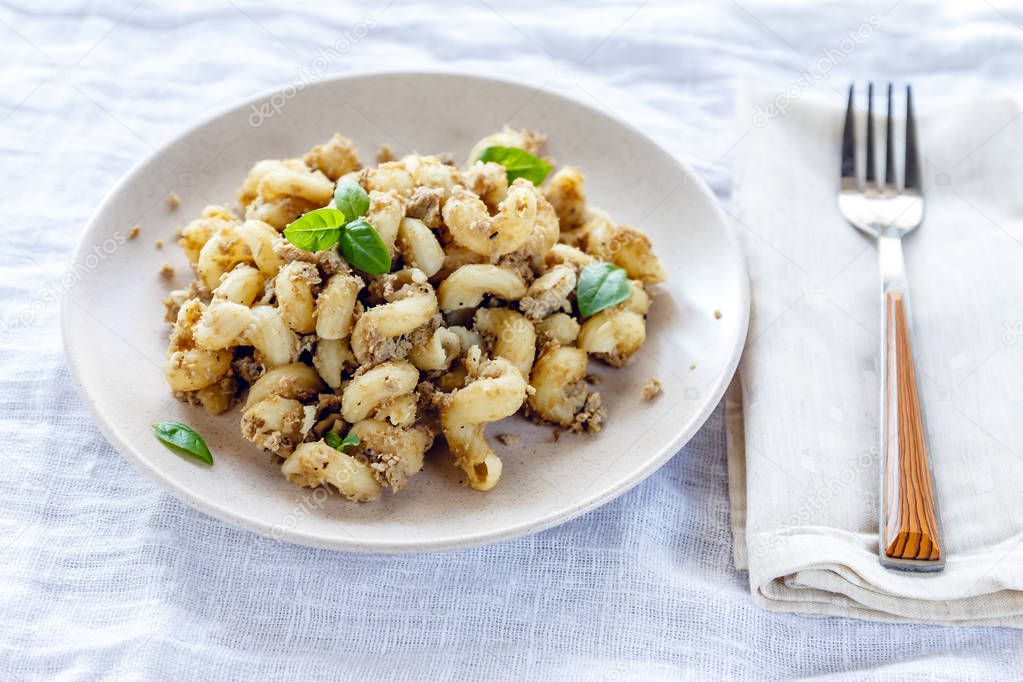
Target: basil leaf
x: 351, y: 199
x: 362, y: 247
x: 601, y: 285
x: 182, y: 438
x: 316, y: 230
x: 335, y: 441
x: 518, y: 163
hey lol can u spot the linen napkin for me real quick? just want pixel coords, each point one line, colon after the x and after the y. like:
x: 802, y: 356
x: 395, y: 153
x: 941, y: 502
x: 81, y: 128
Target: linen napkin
x: 803, y: 414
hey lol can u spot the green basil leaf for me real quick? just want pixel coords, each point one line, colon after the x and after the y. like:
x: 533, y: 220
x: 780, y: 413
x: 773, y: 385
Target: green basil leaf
x: 601, y: 285
x: 351, y: 199
x: 362, y: 247
x: 316, y: 230
x: 350, y: 440
x: 338, y: 443
x: 182, y: 438
x: 518, y: 163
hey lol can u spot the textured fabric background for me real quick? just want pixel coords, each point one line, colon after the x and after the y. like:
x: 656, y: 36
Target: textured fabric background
x: 104, y: 576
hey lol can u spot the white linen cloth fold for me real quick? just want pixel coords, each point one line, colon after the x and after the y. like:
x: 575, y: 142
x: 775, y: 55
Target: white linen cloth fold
x: 803, y: 417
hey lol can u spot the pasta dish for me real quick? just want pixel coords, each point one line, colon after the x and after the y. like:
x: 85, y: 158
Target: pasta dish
x: 357, y: 313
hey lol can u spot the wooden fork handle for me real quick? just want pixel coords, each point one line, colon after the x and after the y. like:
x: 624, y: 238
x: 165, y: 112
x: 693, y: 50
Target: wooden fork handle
x: 909, y: 533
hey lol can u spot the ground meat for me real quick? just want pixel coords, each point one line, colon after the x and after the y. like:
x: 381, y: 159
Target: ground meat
x: 652, y: 389
x: 331, y: 263
x: 508, y: 438
x: 290, y: 252
x: 328, y: 261
x: 327, y: 402
x: 384, y: 154
x: 440, y: 399
x: 306, y: 342
x: 197, y: 289
x: 389, y: 470
x: 247, y: 368
x: 420, y: 336
x: 519, y: 262
x: 533, y: 308
x: 426, y: 412
x: 425, y: 205
x: 382, y: 350
x: 615, y: 359
x: 171, y: 305
x: 591, y: 417
x: 538, y: 307
x: 382, y: 288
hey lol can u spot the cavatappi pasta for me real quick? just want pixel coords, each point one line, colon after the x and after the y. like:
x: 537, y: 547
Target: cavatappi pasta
x: 476, y: 321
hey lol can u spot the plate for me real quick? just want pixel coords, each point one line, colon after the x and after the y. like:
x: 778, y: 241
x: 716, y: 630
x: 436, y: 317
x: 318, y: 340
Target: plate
x: 115, y: 337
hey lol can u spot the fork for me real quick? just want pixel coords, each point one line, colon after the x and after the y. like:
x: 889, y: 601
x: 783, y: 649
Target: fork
x: 909, y: 532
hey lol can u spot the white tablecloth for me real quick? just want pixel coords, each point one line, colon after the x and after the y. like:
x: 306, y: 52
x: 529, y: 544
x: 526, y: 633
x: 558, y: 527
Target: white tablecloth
x: 104, y: 575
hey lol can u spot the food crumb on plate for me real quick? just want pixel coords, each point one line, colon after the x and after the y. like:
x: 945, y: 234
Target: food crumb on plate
x: 652, y: 389
x: 717, y: 314
x: 167, y: 270
x: 134, y: 232
x: 385, y: 154
x: 692, y: 366
x: 508, y: 438
x: 159, y: 244
x: 173, y: 201
x: 594, y: 379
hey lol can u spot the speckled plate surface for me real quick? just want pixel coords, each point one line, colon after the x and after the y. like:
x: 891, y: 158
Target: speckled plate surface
x: 115, y: 337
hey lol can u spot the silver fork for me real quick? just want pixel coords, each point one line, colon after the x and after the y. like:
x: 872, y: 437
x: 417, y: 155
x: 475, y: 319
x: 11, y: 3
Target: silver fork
x: 909, y: 531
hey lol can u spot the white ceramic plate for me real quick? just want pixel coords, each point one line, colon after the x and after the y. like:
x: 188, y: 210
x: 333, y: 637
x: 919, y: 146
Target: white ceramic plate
x: 115, y: 337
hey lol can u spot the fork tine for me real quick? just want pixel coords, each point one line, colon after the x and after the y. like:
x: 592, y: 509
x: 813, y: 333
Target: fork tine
x: 871, y: 161
x: 849, y: 143
x: 912, y: 171
x: 890, y: 182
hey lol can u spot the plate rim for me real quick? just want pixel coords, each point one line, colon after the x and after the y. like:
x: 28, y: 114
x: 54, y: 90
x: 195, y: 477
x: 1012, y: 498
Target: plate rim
x: 295, y: 535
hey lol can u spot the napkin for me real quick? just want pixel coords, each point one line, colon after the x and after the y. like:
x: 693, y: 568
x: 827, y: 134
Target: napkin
x: 803, y: 412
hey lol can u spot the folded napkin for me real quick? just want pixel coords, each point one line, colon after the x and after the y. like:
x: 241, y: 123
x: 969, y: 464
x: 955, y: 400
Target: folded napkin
x: 803, y: 414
